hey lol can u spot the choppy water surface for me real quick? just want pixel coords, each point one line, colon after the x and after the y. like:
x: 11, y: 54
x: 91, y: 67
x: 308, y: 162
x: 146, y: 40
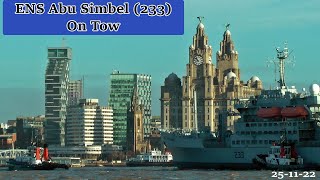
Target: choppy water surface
x: 133, y: 173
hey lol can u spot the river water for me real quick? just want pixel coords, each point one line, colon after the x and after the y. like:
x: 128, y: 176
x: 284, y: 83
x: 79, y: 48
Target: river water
x: 144, y: 173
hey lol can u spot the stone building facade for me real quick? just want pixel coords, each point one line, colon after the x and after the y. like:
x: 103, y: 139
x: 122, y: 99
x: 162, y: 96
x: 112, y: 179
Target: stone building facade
x: 209, y: 90
x: 171, y: 94
x: 135, y: 135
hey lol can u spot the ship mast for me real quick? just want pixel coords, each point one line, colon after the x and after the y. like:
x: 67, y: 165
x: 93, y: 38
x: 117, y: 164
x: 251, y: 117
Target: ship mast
x: 282, y: 56
x: 195, y: 109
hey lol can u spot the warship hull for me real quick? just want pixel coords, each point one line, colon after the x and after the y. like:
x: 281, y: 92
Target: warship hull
x: 189, y: 153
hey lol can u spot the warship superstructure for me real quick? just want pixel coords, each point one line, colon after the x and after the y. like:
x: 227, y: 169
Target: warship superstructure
x: 263, y: 119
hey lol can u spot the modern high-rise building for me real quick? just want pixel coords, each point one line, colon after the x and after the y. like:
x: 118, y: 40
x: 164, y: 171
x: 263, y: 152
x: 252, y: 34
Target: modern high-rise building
x: 89, y: 124
x: 122, y: 86
x: 171, y: 106
x: 56, y: 94
x: 75, y: 92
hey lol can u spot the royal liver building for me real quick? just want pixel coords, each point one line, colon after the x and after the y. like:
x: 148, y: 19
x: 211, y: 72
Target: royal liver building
x: 209, y: 90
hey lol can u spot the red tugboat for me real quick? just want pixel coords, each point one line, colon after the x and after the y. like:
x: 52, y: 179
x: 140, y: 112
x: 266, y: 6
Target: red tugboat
x: 283, y: 157
x: 37, y: 159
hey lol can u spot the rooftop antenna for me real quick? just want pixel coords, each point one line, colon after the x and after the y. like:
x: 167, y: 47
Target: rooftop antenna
x: 82, y: 95
x: 63, y: 43
x: 282, y: 58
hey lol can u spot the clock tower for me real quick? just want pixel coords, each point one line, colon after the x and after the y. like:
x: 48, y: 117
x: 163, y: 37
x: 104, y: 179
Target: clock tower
x: 198, y: 88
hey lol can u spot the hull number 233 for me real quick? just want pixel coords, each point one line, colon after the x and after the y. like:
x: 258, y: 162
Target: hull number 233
x: 239, y: 154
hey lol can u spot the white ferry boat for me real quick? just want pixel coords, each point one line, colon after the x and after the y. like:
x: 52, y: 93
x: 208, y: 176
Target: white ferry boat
x: 152, y: 158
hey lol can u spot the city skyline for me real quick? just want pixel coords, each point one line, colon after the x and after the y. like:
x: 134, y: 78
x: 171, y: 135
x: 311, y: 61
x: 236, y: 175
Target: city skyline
x: 256, y: 27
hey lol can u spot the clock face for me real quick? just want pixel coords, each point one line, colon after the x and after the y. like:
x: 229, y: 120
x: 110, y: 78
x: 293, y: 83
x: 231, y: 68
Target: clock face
x: 197, y: 60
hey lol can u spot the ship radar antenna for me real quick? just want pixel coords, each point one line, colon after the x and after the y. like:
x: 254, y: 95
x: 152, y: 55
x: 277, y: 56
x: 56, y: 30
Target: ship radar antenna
x: 275, y: 63
x: 200, y: 18
x: 279, y: 63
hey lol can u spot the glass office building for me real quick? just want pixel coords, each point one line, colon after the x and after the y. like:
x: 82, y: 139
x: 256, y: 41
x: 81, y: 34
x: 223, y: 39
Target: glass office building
x: 121, y: 90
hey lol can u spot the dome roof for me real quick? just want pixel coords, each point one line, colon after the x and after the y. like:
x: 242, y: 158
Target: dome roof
x: 173, y: 76
x: 201, y: 26
x: 231, y: 75
x: 254, y: 79
x: 314, y: 89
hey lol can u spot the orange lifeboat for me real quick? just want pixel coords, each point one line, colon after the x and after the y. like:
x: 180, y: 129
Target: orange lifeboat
x: 294, y: 112
x: 272, y: 112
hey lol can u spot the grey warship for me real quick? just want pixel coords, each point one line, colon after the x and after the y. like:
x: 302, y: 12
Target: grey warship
x: 263, y: 118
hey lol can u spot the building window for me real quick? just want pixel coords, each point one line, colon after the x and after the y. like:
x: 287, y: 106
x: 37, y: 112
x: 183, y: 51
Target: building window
x: 166, y: 110
x: 185, y: 124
